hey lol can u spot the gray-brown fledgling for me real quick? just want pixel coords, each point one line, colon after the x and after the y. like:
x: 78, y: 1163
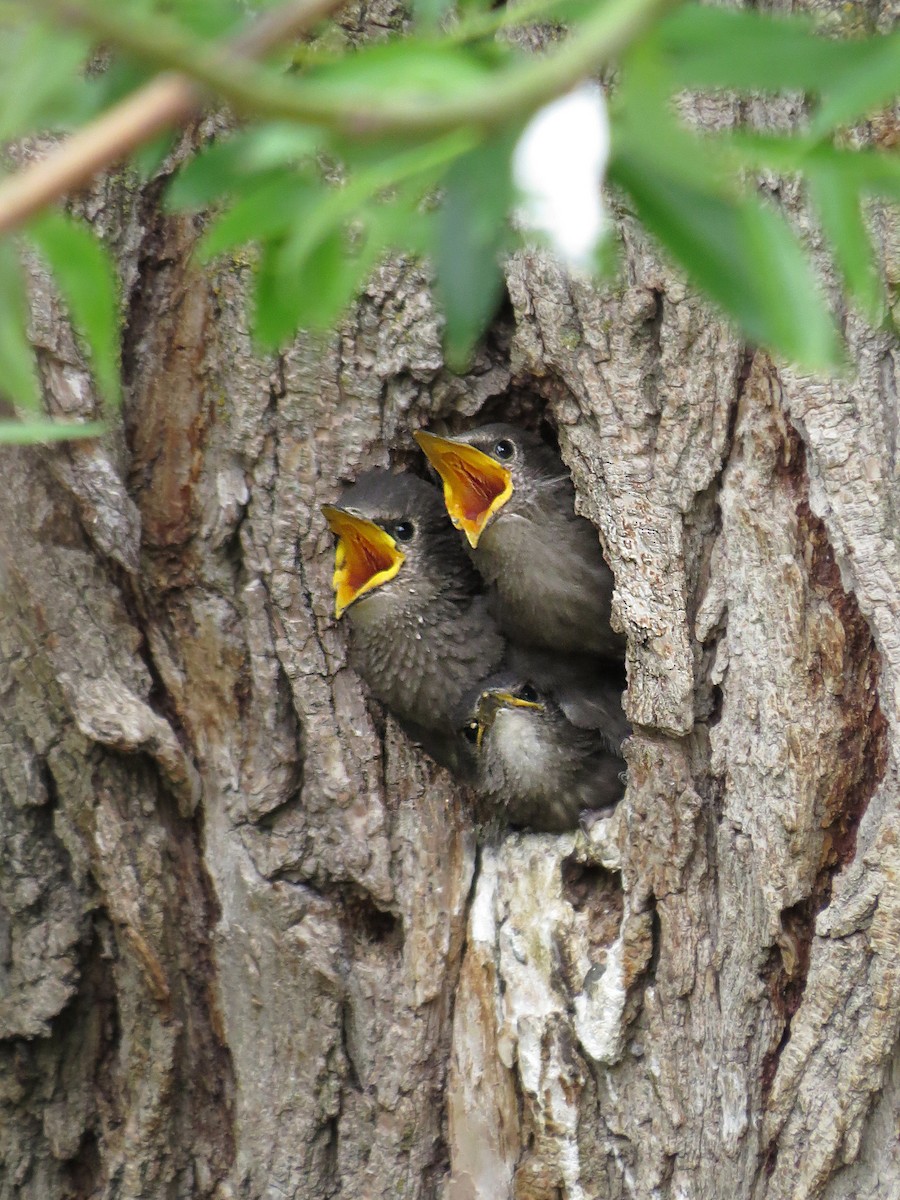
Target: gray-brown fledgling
x: 543, y: 754
x: 513, y: 498
x: 421, y: 630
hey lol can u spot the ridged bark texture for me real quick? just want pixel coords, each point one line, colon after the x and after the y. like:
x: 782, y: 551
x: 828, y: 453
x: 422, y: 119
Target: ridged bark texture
x: 249, y: 943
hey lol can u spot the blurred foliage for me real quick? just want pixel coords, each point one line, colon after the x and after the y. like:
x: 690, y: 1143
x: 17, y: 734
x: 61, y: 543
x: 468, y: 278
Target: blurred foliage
x: 344, y: 154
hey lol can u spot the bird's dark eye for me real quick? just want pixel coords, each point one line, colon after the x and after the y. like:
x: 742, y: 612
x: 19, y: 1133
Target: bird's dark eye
x: 528, y: 694
x: 404, y: 530
x: 504, y: 448
x: 470, y: 732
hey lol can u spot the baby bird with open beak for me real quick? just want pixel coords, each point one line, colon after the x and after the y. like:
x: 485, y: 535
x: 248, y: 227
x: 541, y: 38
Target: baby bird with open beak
x: 545, y: 753
x: 513, y: 498
x: 421, y: 632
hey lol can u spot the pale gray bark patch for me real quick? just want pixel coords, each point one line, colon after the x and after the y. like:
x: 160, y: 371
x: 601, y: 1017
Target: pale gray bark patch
x: 766, y: 811
x: 640, y: 381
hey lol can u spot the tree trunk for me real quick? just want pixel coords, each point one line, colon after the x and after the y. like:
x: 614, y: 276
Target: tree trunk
x: 249, y: 945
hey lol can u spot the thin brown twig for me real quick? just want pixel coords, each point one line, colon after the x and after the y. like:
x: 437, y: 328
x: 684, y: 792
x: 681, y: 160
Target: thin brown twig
x: 165, y: 101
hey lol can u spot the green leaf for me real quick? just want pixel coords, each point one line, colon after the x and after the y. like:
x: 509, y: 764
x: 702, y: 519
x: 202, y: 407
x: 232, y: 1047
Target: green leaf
x: 407, y: 70
x: 41, y: 69
x: 838, y: 205
x: 308, y: 282
x: 234, y: 163
x: 796, y: 320
x: 278, y: 144
x: 312, y: 299
x: 410, y: 171
x: 400, y: 155
x: 404, y: 226
x: 149, y: 158
x: 18, y: 380
x: 308, y: 270
x: 311, y: 290
x: 428, y: 13
x: 203, y: 18
x: 215, y: 171
x: 855, y: 92
x: 272, y: 304
x: 740, y: 253
x: 86, y: 277
x: 606, y: 258
x: 207, y: 18
x: 266, y: 210
x: 705, y: 47
x: 332, y: 276
x: 870, y: 172
x: 27, y: 433
x: 471, y: 233
x: 482, y: 20
x: 117, y: 81
x: 642, y: 119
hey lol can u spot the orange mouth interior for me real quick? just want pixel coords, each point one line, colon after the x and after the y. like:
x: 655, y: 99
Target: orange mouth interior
x: 365, y: 556
x: 475, y: 486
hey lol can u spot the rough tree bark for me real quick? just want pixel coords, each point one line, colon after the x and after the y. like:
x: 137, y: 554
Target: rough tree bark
x: 249, y: 946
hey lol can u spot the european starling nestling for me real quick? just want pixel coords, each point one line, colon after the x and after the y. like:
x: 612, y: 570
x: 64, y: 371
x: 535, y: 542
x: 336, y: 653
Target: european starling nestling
x: 545, y: 754
x: 513, y: 498
x: 421, y: 632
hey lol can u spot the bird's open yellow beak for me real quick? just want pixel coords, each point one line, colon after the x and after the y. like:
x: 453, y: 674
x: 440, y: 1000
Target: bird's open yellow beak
x: 365, y: 556
x: 491, y: 701
x: 475, y: 487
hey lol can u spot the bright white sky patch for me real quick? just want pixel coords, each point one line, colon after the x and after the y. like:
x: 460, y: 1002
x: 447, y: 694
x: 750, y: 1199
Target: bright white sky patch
x: 558, y: 167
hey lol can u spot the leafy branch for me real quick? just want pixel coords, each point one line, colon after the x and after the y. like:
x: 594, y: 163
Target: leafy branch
x: 433, y: 114
x: 511, y: 93
x: 162, y: 103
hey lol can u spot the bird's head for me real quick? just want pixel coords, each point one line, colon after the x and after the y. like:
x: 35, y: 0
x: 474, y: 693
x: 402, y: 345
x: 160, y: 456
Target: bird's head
x: 393, y: 540
x: 515, y: 698
x: 482, y: 469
